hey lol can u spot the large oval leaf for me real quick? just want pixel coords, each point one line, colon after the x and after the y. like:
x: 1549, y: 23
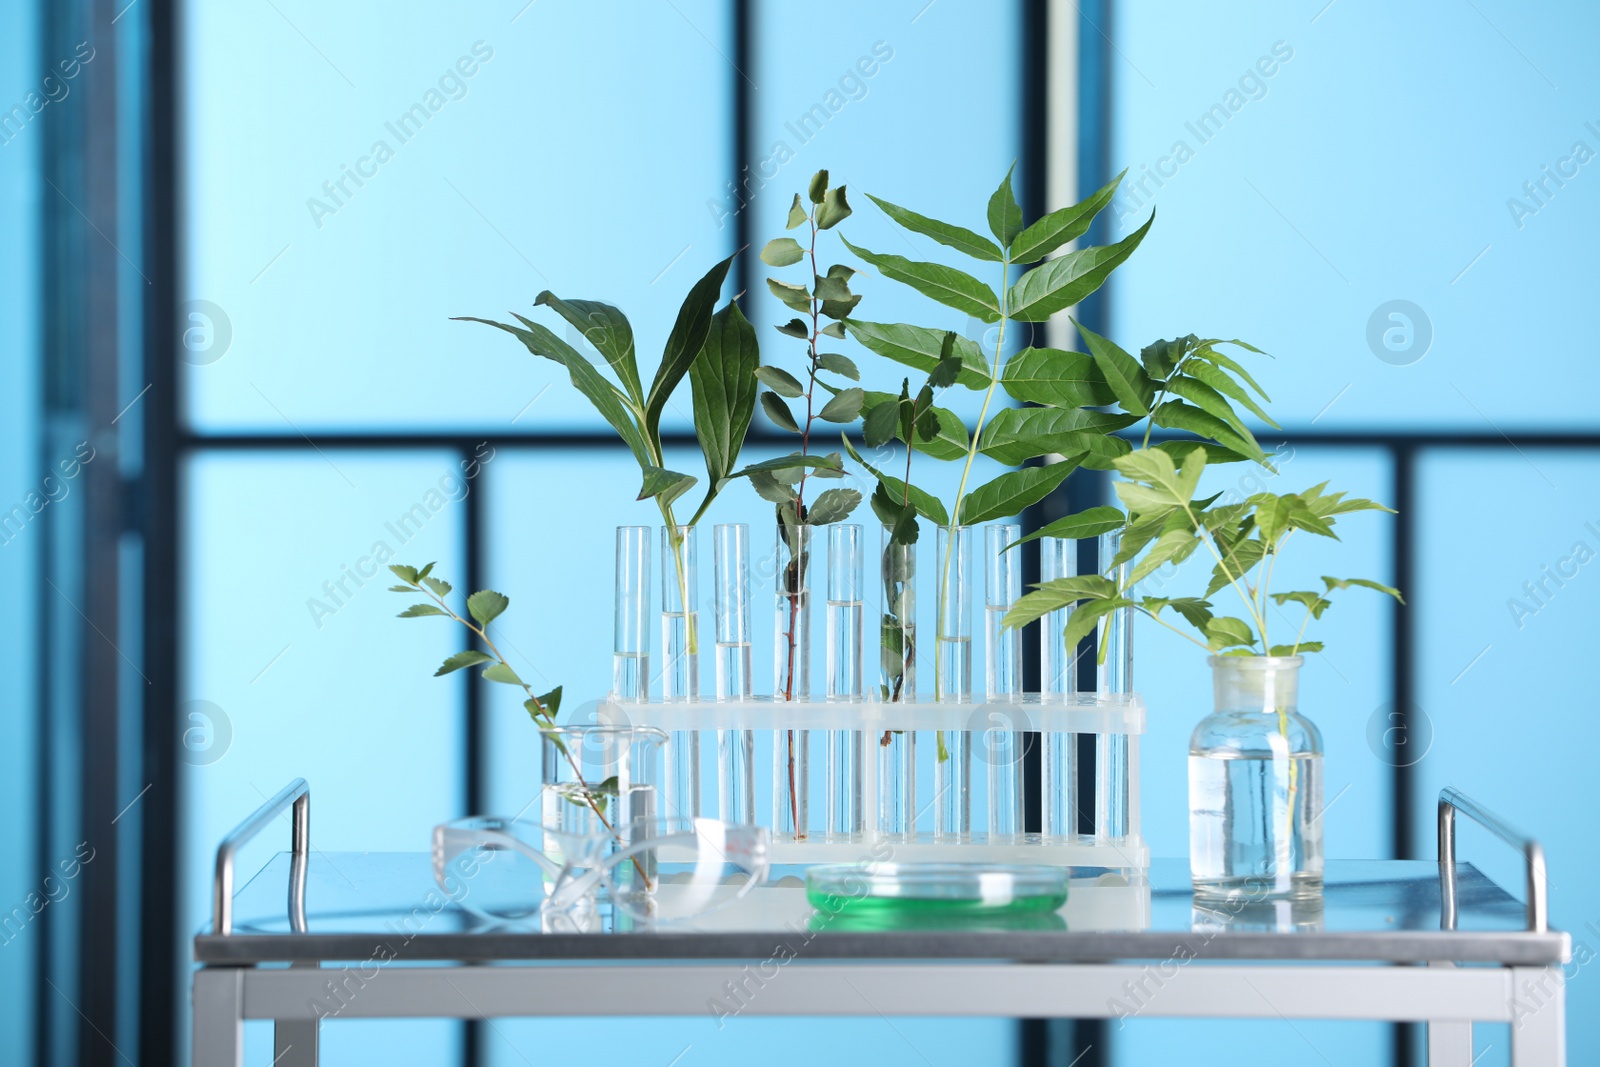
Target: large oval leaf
x: 1016, y: 435
x: 723, y: 387
x: 1063, y: 282
x: 1053, y: 376
x: 919, y: 347
x: 606, y: 328
x: 948, y: 286
x: 1013, y: 491
x: 958, y: 237
x: 1059, y: 227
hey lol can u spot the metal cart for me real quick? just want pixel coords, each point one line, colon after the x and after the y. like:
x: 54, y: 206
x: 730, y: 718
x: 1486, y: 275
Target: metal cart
x: 316, y: 937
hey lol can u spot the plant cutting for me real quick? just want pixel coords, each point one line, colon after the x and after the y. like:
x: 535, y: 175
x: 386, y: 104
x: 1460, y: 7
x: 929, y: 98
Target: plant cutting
x: 1255, y: 749
x: 483, y: 607
x: 719, y: 354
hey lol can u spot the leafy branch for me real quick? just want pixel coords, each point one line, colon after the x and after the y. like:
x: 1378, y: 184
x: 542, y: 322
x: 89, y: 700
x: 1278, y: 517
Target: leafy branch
x: 484, y: 607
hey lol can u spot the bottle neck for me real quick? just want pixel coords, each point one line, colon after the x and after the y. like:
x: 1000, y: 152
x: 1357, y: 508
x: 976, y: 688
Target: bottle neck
x: 1259, y: 684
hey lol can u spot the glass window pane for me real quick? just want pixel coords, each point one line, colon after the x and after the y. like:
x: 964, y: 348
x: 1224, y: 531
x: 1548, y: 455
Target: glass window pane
x: 1508, y: 616
x: 1299, y: 194
x: 880, y: 101
x: 295, y: 665
x: 355, y: 179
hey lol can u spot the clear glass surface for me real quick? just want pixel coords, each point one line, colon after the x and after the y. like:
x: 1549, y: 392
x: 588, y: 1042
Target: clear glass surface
x: 897, y: 783
x: 680, y: 614
x: 736, y: 797
x: 846, y: 550
x: 1058, y: 678
x: 952, y: 783
x: 1114, y: 631
x: 1255, y: 785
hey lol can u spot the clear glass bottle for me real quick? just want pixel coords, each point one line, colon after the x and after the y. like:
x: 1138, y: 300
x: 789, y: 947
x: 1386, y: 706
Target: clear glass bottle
x: 846, y: 750
x: 630, y: 662
x: 791, y: 751
x: 1001, y: 744
x: 680, y: 675
x: 736, y: 749
x: 1255, y: 785
x: 576, y: 761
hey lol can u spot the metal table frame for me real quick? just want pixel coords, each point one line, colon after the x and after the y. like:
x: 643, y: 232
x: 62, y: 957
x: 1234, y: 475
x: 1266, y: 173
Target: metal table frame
x: 1401, y: 976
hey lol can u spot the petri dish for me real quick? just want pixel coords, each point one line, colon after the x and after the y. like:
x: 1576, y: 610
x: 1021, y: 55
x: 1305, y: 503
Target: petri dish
x: 860, y: 889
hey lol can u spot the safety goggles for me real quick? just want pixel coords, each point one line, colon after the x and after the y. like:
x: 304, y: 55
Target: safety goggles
x: 657, y: 870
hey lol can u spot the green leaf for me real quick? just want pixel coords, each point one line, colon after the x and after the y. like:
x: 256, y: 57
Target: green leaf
x: 1206, y: 399
x: 1295, y: 650
x: 1005, y: 215
x: 404, y: 573
x: 683, y: 344
x: 1057, y: 228
x: 551, y: 702
x: 417, y: 611
x: 958, y: 237
x: 1227, y: 363
x: 795, y: 297
x: 1195, y: 612
x: 1174, y: 546
x: 843, y: 366
x: 834, y: 209
x: 499, y: 672
x: 1223, y: 383
x: 768, y: 487
x: 782, y: 252
x: 1215, y: 453
x: 949, y: 440
x: 820, y: 465
x: 844, y: 406
x: 918, y: 347
x: 833, y: 505
x: 1015, y: 435
x: 1081, y: 622
x: 1161, y: 358
x: 486, y: 605
x: 668, y: 485
x: 1225, y: 631
x: 1346, y: 583
x: 794, y: 328
x: 1052, y: 376
x: 402, y: 589
x: 779, y: 412
x: 879, y: 427
x: 1013, y: 491
x: 608, y: 330
x: 780, y: 381
x: 833, y: 286
x: 462, y: 659
x: 797, y: 214
x: 612, y: 404
x: 1064, y: 281
x: 723, y: 386
x: 1241, y: 560
x: 927, y: 505
x: 440, y: 588
x: 1176, y: 415
x: 1055, y: 595
x: 947, y: 285
x: 1315, y: 603
x: 1133, y: 388
x: 833, y: 329
x: 948, y: 369
x: 819, y: 186
x: 1090, y: 522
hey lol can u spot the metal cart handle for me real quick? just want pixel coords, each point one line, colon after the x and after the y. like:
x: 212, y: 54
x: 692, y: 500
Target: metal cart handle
x: 1453, y: 800
x: 298, y: 794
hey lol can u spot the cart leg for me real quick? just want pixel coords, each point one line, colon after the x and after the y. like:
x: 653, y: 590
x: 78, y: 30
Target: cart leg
x: 1538, y: 1017
x: 294, y: 1043
x: 218, y: 1003
x: 1449, y: 1040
